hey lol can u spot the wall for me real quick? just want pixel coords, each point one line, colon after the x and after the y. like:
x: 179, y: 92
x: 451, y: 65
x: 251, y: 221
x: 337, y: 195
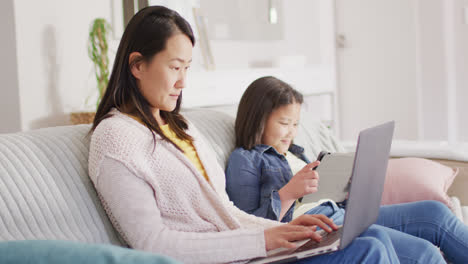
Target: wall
x: 443, y: 42
x: 300, y: 37
x: 10, y: 112
x: 377, y: 66
x: 56, y: 76
x: 461, y: 32
x: 418, y: 77
x: 433, y: 109
x: 239, y: 62
x: 54, y: 72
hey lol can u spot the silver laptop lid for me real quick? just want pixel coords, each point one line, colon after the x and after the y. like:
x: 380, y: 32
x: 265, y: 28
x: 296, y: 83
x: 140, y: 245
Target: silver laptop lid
x: 368, y: 178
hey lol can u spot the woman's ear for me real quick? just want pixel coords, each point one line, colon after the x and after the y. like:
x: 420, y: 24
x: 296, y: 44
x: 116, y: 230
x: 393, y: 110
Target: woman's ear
x: 136, y: 64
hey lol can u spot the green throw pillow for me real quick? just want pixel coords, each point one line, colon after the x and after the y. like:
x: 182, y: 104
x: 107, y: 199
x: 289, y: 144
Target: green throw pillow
x: 70, y: 252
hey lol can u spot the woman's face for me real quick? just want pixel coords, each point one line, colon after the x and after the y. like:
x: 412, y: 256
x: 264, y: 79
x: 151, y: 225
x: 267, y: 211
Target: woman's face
x: 281, y: 127
x: 163, y: 78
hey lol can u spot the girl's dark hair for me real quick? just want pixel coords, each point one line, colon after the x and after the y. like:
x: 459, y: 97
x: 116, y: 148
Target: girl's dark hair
x: 146, y: 33
x: 261, y: 98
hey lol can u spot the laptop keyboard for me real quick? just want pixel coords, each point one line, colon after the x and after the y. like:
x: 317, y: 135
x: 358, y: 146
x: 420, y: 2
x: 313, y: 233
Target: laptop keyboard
x: 327, y: 239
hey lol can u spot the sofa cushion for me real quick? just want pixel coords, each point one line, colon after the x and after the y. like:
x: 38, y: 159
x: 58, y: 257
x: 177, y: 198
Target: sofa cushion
x: 417, y: 179
x: 314, y: 137
x: 217, y: 128
x: 45, y: 191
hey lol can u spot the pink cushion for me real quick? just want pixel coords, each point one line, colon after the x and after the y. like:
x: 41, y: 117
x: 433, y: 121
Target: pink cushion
x: 416, y: 179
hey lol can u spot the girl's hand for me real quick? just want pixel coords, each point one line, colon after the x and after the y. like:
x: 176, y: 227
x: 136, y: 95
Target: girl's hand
x: 300, y: 228
x: 304, y: 182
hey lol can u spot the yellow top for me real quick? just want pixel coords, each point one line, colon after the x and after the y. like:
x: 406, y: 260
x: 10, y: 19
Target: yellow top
x: 186, y: 146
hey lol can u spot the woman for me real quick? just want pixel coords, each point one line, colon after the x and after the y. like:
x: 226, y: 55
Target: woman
x: 158, y: 182
x: 267, y: 173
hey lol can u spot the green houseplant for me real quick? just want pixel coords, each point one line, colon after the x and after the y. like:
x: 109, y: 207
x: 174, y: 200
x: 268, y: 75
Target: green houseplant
x: 97, y: 52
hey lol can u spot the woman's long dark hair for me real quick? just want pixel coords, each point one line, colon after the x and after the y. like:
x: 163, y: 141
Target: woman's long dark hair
x: 259, y: 100
x: 146, y: 33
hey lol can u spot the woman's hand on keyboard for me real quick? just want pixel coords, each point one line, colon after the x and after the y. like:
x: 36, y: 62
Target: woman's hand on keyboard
x: 284, y: 235
x: 300, y: 228
x: 315, y: 220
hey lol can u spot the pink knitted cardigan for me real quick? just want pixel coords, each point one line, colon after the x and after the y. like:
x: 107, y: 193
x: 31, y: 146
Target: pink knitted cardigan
x: 159, y: 202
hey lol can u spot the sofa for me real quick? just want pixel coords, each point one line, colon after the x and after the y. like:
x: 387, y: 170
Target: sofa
x: 46, y: 194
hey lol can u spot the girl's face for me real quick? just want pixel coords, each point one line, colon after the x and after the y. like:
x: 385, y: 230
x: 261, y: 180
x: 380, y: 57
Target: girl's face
x: 161, y: 80
x: 281, y: 127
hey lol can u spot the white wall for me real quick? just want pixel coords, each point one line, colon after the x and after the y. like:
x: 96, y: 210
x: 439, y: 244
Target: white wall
x: 56, y: 76
x: 54, y: 71
x: 429, y: 22
x: 9, y: 99
x: 443, y: 46
x: 377, y: 66
x: 461, y: 30
x: 418, y: 77
x: 301, y: 37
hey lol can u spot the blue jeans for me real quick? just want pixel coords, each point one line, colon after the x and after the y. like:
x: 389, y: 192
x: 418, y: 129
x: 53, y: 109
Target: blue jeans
x: 414, y: 228
x: 372, y: 246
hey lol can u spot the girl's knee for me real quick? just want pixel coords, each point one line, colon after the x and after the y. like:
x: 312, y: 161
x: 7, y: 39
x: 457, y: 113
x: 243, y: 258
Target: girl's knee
x: 377, y: 232
x: 433, y: 206
x: 372, y: 243
x: 373, y: 250
x: 434, y: 210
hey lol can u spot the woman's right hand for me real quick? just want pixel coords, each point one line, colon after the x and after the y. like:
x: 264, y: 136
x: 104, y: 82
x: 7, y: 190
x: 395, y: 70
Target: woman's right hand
x: 300, y: 228
x: 304, y: 182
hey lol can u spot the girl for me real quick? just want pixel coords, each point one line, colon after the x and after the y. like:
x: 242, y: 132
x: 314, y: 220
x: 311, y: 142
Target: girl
x: 267, y: 173
x: 160, y: 184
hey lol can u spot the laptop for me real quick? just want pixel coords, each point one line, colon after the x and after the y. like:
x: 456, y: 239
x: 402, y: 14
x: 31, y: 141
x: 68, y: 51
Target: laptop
x: 365, y: 194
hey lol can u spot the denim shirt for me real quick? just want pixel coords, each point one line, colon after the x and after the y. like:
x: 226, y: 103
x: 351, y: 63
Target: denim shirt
x: 253, y: 178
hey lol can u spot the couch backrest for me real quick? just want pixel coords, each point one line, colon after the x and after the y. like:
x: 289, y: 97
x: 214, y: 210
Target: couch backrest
x: 45, y: 191
x: 217, y: 125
